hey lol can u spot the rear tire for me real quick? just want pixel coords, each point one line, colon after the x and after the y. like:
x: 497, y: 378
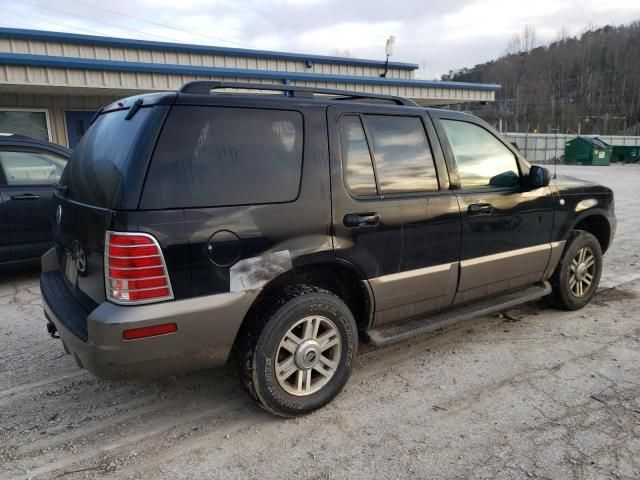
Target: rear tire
x: 298, y: 352
x: 577, y: 275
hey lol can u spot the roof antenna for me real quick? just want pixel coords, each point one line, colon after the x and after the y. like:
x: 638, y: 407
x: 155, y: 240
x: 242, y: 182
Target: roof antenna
x: 391, y: 41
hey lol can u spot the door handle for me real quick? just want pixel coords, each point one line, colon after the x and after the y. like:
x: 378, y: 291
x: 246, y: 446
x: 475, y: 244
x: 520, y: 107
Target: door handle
x: 480, y: 209
x: 26, y: 196
x: 353, y: 220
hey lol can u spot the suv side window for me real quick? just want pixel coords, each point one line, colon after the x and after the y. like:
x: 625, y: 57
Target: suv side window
x: 482, y: 160
x: 222, y: 156
x: 402, y: 155
x: 356, y: 158
x: 31, y: 168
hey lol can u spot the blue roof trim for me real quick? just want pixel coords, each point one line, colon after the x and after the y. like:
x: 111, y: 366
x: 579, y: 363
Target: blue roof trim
x: 121, y: 66
x: 191, y: 48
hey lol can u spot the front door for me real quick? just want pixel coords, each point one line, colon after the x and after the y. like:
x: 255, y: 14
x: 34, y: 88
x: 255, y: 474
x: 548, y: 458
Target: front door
x: 394, y: 217
x: 29, y: 176
x: 77, y: 124
x: 506, y: 226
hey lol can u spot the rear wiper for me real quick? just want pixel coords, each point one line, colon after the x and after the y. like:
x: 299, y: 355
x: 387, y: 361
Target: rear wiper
x: 134, y: 109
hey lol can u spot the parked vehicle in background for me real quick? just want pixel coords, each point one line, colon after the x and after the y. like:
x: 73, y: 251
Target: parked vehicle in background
x: 29, y: 168
x: 192, y: 227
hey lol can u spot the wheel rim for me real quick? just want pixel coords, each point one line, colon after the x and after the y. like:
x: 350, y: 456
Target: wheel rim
x: 308, y: 355
x: 582, y: 271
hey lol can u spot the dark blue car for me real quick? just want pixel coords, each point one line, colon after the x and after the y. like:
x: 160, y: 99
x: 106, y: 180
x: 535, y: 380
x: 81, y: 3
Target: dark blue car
x: 28, y: 170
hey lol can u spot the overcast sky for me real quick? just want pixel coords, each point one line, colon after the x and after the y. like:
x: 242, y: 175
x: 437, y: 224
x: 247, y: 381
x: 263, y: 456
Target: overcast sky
x: 438, y: 34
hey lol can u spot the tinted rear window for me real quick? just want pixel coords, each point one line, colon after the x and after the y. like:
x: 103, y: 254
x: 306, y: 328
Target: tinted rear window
x: 94, y: 170
x: 402, y: 154
x: 218, y: 156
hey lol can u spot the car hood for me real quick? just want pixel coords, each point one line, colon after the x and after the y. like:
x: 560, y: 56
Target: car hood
x: 567, y: 185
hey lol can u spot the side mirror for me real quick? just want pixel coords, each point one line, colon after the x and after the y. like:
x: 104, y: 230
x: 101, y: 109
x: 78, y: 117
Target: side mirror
x: 539, y: 177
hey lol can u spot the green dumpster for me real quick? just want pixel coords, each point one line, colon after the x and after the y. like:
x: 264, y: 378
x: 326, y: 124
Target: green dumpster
x: 625, y: 154
x: 587, y: 151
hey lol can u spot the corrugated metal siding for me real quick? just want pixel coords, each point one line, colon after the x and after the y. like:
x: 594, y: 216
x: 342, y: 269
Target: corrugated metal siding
x: 137, y: 81
x: 35, y: 47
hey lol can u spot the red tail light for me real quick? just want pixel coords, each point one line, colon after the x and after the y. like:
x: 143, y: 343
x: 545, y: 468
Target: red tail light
x: 134, y: 269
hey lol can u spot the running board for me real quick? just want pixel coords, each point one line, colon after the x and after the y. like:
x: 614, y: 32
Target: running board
x: 398, y: 332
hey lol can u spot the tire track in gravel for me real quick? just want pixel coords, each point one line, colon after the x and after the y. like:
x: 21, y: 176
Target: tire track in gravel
x: 161, y: 424
x: 165, y: 420
x: 14, y: 392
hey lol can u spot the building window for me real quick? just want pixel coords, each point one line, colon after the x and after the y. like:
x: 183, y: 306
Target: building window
x: 32, y: 123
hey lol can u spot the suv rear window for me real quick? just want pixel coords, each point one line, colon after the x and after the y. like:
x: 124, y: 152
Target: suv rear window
x: 93, y: 173
x: 220, y: 156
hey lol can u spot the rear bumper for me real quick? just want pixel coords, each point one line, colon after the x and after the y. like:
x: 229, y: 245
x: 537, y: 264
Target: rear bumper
x: 207, y: 327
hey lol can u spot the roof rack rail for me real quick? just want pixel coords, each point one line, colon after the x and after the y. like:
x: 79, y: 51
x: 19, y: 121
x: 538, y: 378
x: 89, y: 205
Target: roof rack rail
x: 205, y: 87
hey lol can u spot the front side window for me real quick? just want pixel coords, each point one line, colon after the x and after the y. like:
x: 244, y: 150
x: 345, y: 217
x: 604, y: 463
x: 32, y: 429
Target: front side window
x: 402, y: 154
x: 356, y: 158
x: 219, y: 156
x: 31, y: 168
x: 483, y: 161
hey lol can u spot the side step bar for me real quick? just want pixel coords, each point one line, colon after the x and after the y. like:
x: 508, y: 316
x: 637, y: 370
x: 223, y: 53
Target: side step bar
x: 406, y: 329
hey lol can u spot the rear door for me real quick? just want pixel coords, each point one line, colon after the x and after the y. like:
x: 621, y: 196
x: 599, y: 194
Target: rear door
x: 29, y: 175
x: 393, y: 214
x: 506, y: 226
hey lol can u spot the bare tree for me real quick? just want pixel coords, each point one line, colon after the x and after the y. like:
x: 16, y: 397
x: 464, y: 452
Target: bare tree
x: 591, y: 80
x: 528, y: 38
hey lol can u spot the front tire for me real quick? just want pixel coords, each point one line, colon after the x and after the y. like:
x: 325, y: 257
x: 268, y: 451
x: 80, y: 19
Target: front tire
x: 298, y: 353
x: 577, y: 275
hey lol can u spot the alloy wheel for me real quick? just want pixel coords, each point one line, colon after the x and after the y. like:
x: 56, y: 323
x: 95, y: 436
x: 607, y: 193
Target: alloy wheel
x: 308, y: 355
x: 581, y: 272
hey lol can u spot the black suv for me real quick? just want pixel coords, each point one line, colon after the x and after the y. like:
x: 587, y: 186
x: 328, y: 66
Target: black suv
x: 195, y: 227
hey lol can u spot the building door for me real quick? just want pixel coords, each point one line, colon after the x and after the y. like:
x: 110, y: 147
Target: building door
x: 77, y: 124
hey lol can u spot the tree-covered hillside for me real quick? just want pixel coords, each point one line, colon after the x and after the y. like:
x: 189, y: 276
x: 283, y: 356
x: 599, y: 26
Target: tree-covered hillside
x: 589, y: 83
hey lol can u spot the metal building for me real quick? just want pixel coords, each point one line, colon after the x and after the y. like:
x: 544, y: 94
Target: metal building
x: 52, y: 82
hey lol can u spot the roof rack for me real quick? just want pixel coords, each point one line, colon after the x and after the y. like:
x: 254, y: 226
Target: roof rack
x: 205, y: 87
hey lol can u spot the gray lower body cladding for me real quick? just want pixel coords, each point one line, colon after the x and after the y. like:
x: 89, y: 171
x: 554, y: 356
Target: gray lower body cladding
x: 206, y: 330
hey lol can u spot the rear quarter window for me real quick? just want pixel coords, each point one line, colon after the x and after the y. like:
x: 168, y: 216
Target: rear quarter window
x: 220, y: 156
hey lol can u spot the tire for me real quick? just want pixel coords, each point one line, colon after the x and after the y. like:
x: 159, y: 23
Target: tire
x: 566, y: 293
x: 269, y: 351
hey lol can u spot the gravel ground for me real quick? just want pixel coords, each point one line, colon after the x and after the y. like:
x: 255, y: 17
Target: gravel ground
x: 535, y: 393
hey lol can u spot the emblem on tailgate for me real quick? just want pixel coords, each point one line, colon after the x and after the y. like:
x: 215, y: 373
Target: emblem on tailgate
x: 81, y: 259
